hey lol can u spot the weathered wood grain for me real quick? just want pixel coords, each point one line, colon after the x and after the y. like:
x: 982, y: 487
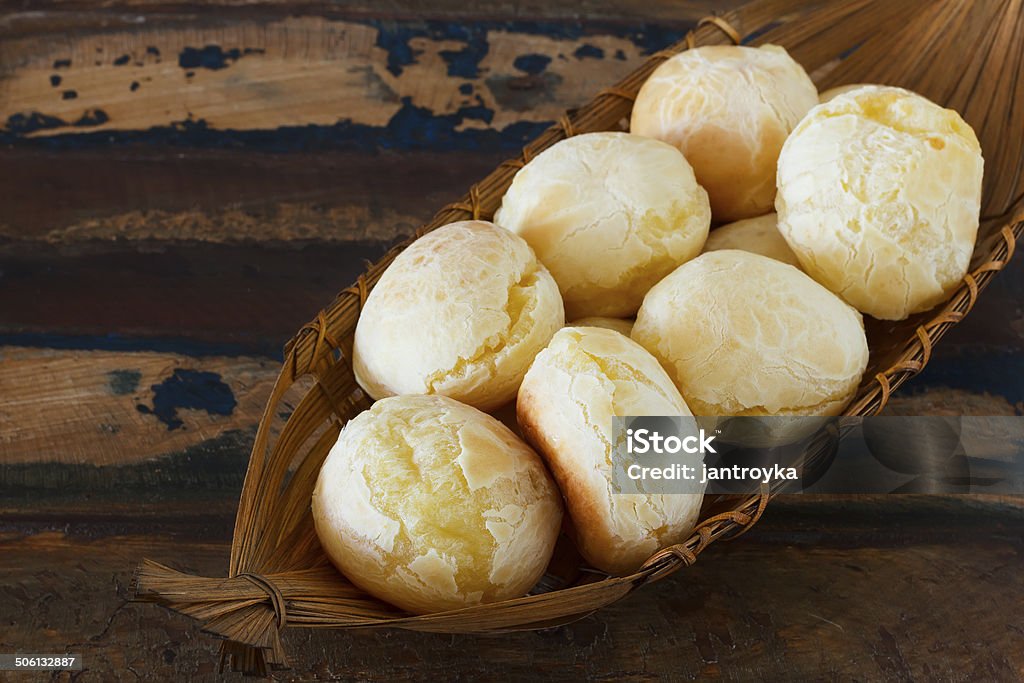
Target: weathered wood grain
x: 154, y: 257
x: 417, y: 84
x: 236, y: 299
x: 83, y: 13
x: 861, y: 588
x: 227, y: 196
x: 93, y: 433
x: 106, y: 408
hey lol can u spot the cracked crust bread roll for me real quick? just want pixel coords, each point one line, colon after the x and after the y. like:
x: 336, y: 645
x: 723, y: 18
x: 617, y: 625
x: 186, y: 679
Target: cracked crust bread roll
x: 609, y: 214
x: 742, y: 334
x: 432, y: 505
x: 879, y: 197
x: 621, y: 325
x: 462, y: 312
x: 728, y: 109
x: 565, y: 407
x: 757, y: 235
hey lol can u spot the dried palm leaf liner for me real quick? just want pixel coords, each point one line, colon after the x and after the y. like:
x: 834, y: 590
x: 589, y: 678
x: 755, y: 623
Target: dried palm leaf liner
x: 278, y: 574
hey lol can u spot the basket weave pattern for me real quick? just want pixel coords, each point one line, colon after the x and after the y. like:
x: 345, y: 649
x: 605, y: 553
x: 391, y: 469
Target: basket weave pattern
x: 278, y: 574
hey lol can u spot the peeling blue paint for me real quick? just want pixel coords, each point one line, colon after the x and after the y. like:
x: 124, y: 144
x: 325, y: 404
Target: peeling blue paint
x: 61, y: 63
x: 395, y: 36
x: 532, y: 64
x: 92, y: 117
x: 587, y: 50
x: 25, y: 124
x: 122, y: 60
x: 212, y: 57
x: 69, y: 95
x: 410, y: 128
x: 465, y: 63
x: 189, y: 389
x: 55, y: 80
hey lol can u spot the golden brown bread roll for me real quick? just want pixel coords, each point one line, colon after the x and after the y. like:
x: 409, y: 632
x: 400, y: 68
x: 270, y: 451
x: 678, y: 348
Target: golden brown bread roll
x: 461, y: 312
x: 586, y: 376
x: 728, y: 109
x: 432, y: 505
x: 609, y: 214
x: 879, y: 197
x: 742, y: 334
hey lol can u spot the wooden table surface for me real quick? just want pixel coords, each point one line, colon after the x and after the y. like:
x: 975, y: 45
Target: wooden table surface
x: 182, y: 188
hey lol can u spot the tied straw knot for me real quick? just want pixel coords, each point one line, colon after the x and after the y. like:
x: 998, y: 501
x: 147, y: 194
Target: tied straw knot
x: 277, y: 600
x: 325, y: 342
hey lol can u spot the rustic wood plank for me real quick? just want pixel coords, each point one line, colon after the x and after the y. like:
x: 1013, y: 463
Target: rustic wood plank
x: 90, y: 434
x: 228, y: 196
x: 201, y: 299
x: 247, y: 297
x: 858, y: 588
x: 83, y: 13
x: 417, y: 84
x: 107, y: 408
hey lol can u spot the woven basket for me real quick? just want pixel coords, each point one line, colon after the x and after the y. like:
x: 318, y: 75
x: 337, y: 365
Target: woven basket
x: 278, y: 573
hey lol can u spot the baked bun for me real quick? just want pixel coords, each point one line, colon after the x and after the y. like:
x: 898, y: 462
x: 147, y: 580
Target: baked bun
x: 742, y: 334
x: 609, y: 214
x: 622, y: 325
x: 565, y: 407
x: 431, y: 505
x: 461, y: 312
x: 728, y: 109
x: 879, y: 197
x: 757, y: 235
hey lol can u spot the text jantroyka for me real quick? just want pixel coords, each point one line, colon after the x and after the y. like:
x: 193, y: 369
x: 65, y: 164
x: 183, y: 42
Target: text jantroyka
x: 764, y: 475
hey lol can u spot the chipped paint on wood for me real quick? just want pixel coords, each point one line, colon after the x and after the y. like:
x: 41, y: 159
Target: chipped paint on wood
x: 105, y: 408
x: 382, y: 83
x: 188, y: 389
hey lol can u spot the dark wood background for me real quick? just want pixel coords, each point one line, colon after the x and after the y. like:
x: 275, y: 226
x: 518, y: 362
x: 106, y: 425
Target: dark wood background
x: 183, y: 186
